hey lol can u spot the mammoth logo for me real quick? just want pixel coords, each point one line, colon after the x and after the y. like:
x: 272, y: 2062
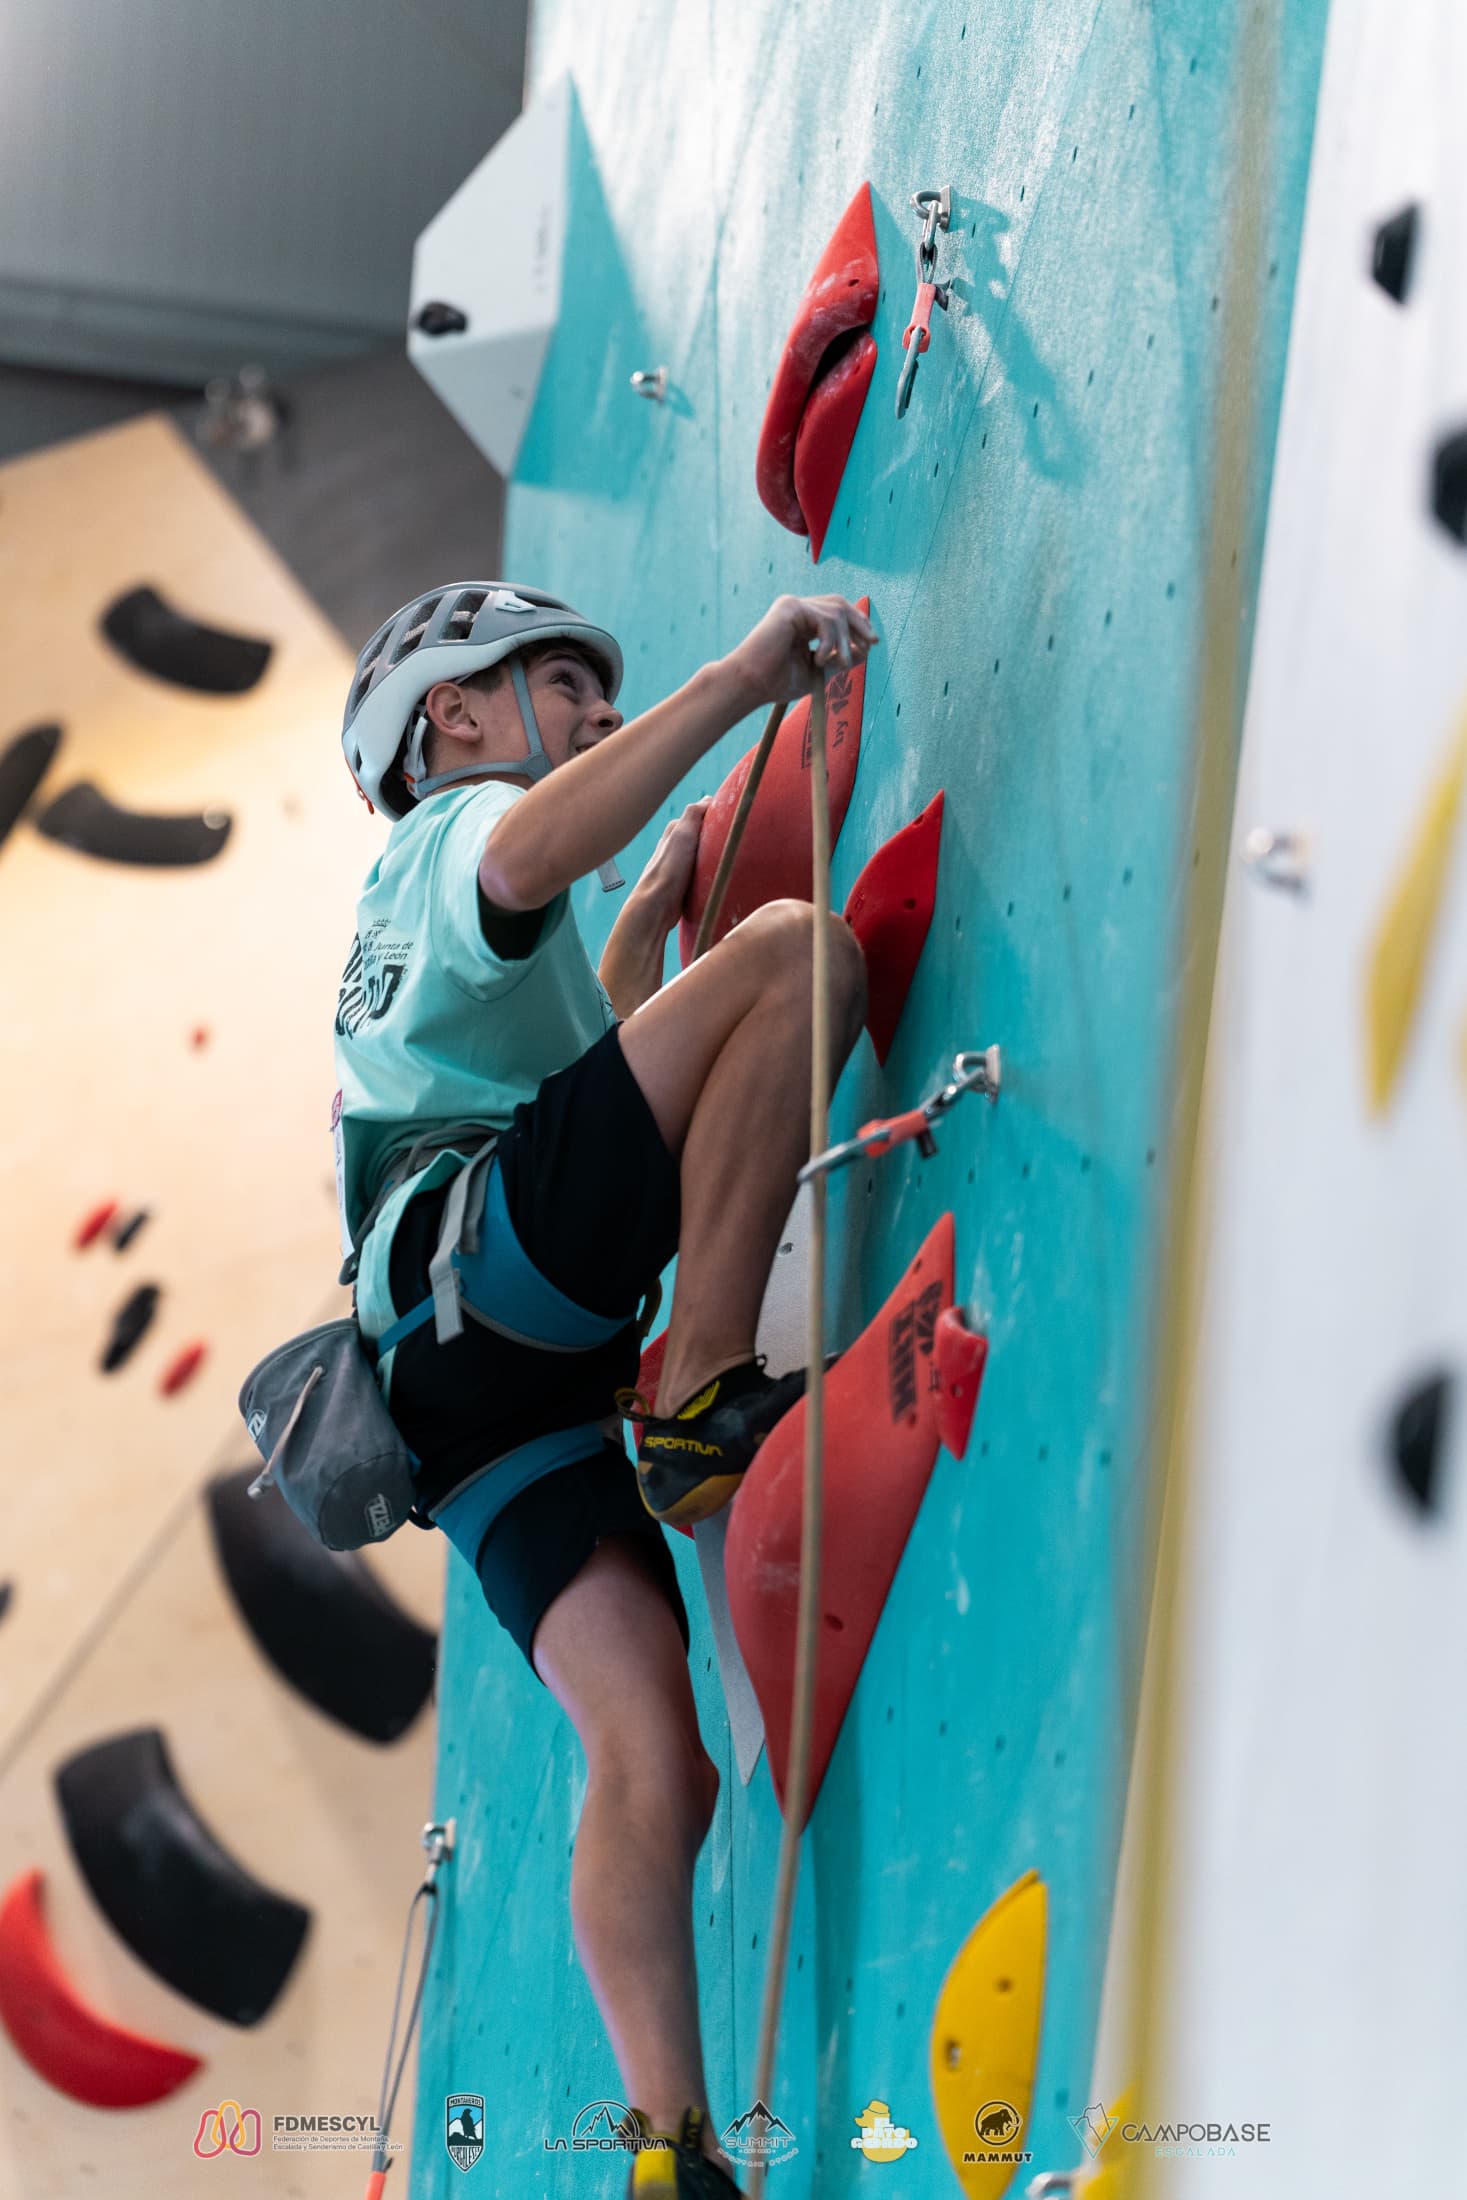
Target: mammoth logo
x: 996, y: 2123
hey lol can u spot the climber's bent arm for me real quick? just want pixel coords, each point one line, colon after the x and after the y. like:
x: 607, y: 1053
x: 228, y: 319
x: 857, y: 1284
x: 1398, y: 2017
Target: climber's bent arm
x: 594, y: 805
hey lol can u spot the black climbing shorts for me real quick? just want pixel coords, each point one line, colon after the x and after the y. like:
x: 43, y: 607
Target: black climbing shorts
x: 593, y: 1194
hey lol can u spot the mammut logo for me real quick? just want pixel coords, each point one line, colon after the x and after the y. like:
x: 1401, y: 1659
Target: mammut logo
x: 379, y: 1515
x: 369, y: 983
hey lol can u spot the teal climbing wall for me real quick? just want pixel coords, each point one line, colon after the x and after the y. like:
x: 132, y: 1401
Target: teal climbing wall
x: 1034, y: 537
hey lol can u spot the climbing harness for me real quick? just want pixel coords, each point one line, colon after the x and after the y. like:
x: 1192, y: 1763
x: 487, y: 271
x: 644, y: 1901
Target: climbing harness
x: 439, y: 1841
x: 972, y: 1072
x: 935, y: 209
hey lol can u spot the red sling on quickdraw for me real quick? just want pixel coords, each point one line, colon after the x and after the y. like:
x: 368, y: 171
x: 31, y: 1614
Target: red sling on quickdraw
x: 935, y: 208
x: 972, y: 1072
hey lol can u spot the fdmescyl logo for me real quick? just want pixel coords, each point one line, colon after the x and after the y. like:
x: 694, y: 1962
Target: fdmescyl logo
x: 373, y: 973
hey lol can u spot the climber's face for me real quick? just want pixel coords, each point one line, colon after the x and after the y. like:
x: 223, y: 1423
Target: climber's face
x: 472, y: 721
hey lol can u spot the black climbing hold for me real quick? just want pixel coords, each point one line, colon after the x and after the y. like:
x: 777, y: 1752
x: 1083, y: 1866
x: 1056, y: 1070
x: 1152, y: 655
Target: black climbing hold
x: 1394, y: 252
x: 1449, y: 483
x: 133, y: 1321
x: 23, y: 766
x: 85, y: 819
x: 7, y: 1591
x: 438, y: 319
x: 1418, y: 1430
x: 125, y: 1232
x: 150, y: 634
x: 180, y: 1901
x: 321, y: 1617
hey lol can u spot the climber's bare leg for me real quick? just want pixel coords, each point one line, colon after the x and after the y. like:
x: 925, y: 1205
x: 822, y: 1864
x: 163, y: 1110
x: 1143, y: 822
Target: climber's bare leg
x: 722, y: 1054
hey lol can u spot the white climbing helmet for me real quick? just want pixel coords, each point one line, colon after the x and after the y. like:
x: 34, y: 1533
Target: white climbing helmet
x: 447, y: 635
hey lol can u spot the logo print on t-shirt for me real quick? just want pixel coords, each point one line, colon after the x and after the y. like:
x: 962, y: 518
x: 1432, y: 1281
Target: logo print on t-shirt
x: 369, y: 983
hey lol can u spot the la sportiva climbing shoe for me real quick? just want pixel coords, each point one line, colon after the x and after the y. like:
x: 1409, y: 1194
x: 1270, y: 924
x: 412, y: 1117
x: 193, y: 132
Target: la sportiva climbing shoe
x: 690, y: 1464
x: 674, y: 2166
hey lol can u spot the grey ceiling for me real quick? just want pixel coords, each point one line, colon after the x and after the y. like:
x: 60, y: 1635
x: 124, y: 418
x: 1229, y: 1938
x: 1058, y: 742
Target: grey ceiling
x: 187, y: 186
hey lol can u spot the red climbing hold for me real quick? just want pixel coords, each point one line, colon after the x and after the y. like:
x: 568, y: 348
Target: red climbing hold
x: 890, y: 911
x: 880, y: 1446
x: 95, y: 1223
x: 182, y: 1369
x: 961, y: 1355
x: 63, y: 2040
x: 841, y: 297
x: 199, y: 1036
x: 776, y: 858
x: 828, y: 429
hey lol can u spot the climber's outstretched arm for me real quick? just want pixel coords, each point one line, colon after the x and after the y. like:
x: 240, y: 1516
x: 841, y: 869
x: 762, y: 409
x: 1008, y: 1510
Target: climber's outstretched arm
x: 595, y: 804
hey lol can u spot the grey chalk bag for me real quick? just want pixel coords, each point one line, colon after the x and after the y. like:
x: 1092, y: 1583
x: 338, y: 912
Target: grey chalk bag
x: 330, y: 1446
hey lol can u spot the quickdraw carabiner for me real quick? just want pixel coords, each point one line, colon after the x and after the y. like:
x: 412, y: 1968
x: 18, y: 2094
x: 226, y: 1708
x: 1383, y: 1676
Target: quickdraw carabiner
x: 935, y: 208
x: 972, y: 1072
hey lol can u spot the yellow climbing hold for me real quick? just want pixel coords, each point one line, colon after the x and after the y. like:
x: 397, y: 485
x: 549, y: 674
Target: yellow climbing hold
x: 985, y: 2040
x: 1402, y: 948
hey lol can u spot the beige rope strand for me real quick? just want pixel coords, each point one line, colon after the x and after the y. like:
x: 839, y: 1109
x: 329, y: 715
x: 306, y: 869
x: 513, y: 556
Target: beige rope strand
x: 811, y: 1524
x: 736, y: 832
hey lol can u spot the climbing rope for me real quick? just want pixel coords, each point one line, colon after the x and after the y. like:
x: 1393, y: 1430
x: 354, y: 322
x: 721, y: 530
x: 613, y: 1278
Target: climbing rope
x: 439, y: 1843
x: 812, y: 1516
x: 736, y: 832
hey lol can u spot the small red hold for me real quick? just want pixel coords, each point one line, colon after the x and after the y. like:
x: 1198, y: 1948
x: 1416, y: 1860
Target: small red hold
x: 199, y: 1036
x: 890, y: 912
x: 960, y: 1356
x: 95, y: 1223
x: 182, y: 1369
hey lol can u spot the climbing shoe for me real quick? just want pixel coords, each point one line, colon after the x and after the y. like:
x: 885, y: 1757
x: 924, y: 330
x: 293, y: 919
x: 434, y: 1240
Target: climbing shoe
x: 674, y: 2167
x: 689, y: 1466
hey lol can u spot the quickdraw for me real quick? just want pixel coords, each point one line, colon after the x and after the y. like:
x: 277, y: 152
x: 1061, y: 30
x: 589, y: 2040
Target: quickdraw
x: 439, y: 1841
x: 935, y: 208
x: 972, y: 1072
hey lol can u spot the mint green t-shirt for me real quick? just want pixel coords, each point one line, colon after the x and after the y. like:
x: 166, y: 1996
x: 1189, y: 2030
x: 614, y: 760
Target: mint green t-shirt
x: 433, y: 1027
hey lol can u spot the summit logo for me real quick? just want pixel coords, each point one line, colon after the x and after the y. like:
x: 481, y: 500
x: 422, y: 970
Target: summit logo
x: 759, y: 2136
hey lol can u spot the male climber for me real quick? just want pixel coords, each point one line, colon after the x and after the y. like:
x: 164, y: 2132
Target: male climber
x: 635, y: 1121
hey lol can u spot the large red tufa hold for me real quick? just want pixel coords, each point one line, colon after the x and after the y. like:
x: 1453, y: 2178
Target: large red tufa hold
x: 776, y: 857
x: 821, y: 382
x: 880, y: 1447
x: 961, y: 1355
x: 182, y: 1369
x: 65, y: 2042
x: 890, y: 912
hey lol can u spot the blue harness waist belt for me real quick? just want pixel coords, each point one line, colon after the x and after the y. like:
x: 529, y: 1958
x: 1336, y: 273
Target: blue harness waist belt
x: 481, y: 1269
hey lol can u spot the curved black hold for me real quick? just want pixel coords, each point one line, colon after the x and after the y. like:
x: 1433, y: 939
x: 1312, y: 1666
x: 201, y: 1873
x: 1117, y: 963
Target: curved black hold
x: 1418, y: 1428
x: 84, y: 818
x: 1449, y: 483
x: 438, y: 319
x: 7, y: 1591
x: 1394, y: 252
x: 125, y: 1232
x: 23, y: 766
x: 134, y: 1320
x: 321, y: 1617
x: 183, y: 1905
x: 150, y: 634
